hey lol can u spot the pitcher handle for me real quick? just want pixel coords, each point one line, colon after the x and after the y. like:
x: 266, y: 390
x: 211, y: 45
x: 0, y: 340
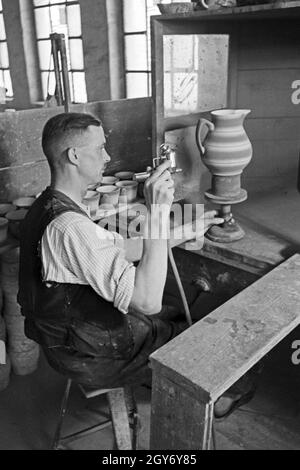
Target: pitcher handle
x: 201, y: 123
x: 204, y: 4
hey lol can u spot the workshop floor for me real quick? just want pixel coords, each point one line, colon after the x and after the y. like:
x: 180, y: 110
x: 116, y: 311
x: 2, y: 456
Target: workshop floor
x: 29, y: 409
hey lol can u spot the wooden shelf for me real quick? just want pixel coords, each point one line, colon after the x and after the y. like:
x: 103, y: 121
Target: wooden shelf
x: 273, y: 10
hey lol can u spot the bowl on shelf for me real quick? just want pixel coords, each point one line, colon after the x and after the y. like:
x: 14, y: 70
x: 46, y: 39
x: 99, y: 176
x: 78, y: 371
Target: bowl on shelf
x: 24, y: 202
x: 124, y: 175
x: 91, y: 200
x: 109, y: 180
x: 14, y: 220
x: 128, y: 190
x: 176, y: 7
x: 5, y: 208
x: 109, y: 195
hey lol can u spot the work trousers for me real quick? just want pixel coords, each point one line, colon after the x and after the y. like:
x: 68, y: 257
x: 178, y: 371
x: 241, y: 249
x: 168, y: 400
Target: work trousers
x: 124, y: 359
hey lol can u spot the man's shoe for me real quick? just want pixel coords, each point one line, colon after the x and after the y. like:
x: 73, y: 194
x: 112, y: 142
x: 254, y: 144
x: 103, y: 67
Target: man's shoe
x: 224, y: 406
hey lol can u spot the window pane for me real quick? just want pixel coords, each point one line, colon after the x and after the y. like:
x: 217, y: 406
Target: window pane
x: 44, y: 48
x: 76, y: 54
x: 136, y: 52
x: 74, y: 20
x: 58, y: 18
x: 42, y: 21
x: 46, y: 78
x: 4, y: 56
x: 63, y: 18
x: 2, y: 28
x: 79, y: 86
x: 1, y: 8
x: 134, y: 16
x: 137, y: 85
x: 8, y: 84
x: 2, y: 78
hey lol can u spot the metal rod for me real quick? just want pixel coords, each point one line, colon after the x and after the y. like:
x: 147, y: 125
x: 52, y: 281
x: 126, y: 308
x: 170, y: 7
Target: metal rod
x: 85, y: 432
x: 58, y: 88
x: 65, y: 73
x: 63, y: 410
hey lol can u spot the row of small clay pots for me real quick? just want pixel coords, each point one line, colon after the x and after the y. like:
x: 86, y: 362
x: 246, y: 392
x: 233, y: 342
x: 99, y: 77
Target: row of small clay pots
x: 112, y: 190
x: 11, y: 215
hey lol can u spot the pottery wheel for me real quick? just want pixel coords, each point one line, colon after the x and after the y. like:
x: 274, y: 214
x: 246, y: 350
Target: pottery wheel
x: 228, y: 201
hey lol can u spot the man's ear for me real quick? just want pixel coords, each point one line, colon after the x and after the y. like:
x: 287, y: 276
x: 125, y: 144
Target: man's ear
x: 72, y: 156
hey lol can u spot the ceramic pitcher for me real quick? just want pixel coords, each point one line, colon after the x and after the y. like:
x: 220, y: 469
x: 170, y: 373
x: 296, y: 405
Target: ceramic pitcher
x: 226, y: 149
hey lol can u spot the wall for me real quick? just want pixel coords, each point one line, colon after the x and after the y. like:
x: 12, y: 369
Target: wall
x: 267, y: 68
x: 23, y: 167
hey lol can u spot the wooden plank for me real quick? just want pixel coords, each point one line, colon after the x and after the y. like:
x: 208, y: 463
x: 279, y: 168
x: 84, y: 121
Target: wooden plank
x: 119, y: 416
x: 258, y: 252
x: 27, y: 180
x: 273, y: 159
x: 272, y: 10
x: 214, y: 353
x: 186, y: 431
x: 23, y: 167
x: 275, y: 46
x: 268, y: 92
x: 128, y: 127
x: 126, y: 122
x: 275, y: 129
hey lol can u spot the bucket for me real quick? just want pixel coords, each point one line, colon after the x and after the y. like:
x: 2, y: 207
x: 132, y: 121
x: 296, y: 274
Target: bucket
x: 16, y: 335
x: 11, y: 256
x: 5, y: 208
x: 25, y: 363
x: 14, y: 221
x: 5, y: 370
x: 3, y: 229
x: 2, y: 329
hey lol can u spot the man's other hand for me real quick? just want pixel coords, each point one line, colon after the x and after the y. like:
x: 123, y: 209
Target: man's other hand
x: 159, y: 187
x: 211, y: 218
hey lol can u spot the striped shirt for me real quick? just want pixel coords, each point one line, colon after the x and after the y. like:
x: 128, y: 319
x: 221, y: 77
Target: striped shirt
x: 77, y: 251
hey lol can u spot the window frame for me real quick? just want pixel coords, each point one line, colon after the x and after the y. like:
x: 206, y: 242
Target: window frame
x: 9, y: 97
x: 50, y: 69
x: 145, y: 33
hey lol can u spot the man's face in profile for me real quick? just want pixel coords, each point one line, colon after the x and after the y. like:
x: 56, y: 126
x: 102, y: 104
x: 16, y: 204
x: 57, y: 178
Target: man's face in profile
x: 92, y: 155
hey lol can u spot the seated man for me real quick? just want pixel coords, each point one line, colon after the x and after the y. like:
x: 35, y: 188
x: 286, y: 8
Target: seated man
x: 93, y: 312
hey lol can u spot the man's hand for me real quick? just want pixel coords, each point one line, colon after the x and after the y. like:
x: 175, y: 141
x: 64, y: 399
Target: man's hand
x: 197, y: 228
x: 159, y: 187
x: 210, y: 218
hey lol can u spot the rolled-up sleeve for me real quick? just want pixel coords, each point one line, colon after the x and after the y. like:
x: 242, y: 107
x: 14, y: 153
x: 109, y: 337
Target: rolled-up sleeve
x: 89, y: 255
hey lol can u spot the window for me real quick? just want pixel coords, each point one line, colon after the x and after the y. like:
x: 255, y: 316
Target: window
x: 5, y: 78
x: 64, y: 17
x: 138, y: 46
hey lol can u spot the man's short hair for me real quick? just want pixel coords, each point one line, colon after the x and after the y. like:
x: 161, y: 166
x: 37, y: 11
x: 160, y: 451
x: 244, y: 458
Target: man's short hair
x: 64, y: 126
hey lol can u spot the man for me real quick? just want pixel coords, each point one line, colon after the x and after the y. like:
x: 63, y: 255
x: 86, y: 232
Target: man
x: 93, y: 312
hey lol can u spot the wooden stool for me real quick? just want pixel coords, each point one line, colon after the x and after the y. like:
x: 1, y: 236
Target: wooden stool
x: 123, y: 411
